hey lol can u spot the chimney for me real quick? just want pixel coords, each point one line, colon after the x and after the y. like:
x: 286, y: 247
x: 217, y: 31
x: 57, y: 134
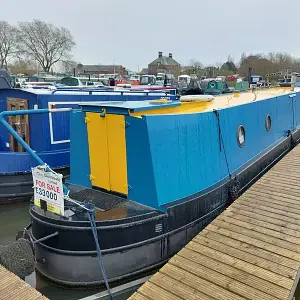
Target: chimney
x: 170, y: 55
x: 160, y: 54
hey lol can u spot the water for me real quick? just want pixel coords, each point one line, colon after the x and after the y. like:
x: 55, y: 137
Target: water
x: 15, y: 217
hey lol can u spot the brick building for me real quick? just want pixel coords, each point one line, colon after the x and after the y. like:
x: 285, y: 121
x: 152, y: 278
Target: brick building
x: 164, y: 64
x: 100, y: 69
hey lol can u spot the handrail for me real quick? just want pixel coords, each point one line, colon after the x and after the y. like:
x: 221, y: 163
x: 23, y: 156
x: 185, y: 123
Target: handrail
x: 4, y: 114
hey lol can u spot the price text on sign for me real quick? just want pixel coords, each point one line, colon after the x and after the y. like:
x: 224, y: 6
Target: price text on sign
x: 48, y: 187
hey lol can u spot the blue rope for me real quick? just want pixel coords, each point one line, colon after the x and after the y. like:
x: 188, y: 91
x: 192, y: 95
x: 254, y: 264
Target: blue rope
x: 91, y: 215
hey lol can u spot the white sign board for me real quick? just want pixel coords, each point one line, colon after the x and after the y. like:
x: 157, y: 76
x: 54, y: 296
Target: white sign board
x: 48, y: 189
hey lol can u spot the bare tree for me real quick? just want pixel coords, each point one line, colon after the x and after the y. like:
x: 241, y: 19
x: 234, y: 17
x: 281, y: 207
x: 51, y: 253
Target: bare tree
x: 195, y: 66
x: 68, y: 66
x: 22, y: 66
x: 8, y: 42
x: 45, y: 43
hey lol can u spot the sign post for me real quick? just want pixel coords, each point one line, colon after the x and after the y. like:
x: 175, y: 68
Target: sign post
x: 48, y: 190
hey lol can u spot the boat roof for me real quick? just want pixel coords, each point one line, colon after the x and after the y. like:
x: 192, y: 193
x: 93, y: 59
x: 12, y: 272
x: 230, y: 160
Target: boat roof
x: 87, y: 91
x: 125, y: 107
x: 220, y: 102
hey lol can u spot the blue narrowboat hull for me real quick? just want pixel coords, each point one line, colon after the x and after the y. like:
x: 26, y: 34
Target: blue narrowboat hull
x: 188, y: 151
x: 132, y: 247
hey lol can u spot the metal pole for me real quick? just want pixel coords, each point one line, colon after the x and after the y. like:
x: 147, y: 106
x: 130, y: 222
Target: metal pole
x: 19, y: 139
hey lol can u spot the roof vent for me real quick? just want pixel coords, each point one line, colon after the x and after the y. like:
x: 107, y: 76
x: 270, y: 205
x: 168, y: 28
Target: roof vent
x: 170, y: 55
x: 160, y: 54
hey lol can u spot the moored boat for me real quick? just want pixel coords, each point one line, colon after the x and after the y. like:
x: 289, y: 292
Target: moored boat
x: 47, y: 134
x: 159, y: 178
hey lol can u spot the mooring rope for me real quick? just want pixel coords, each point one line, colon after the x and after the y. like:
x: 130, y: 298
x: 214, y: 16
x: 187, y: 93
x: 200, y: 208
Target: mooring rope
x: 91, y: 214
x: 221, y: 142
x: 90, y: 208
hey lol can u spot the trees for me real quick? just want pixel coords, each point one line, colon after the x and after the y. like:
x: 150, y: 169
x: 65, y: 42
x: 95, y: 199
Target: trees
x: 45, y: 43
x: 195, y: 67
x: 68, y: 66
x: 9, y: 46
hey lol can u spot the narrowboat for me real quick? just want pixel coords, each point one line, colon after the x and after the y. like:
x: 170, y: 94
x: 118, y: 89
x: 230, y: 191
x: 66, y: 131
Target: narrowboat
x: 158, y: 179
x: 48, y: 134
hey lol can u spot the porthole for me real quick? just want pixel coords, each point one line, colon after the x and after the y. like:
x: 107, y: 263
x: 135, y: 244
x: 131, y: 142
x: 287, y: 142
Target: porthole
x: 241, y: 136
x: 268, y: 123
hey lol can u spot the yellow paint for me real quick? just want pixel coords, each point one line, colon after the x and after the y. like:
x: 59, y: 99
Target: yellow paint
x: 107, y: 148
x: 98, y: 150
x: 185, y: 107
x: 117, y: 153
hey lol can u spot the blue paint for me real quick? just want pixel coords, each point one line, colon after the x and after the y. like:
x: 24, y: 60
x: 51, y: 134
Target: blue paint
x: 56, y: 155
x: 171, y: 157
x: 185, y: 154
x: 139, y: 163
x: 23, y: 162
x: 80, y: 161
x: 36, y: 158
x: 252, y: 117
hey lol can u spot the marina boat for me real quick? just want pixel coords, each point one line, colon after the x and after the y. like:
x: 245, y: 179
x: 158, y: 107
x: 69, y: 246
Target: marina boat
x: 47, y: 134
x: 158, y: 179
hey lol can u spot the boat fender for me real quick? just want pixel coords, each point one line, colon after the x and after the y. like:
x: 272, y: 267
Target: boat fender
x: 234, y: 189
x: 18, y: 258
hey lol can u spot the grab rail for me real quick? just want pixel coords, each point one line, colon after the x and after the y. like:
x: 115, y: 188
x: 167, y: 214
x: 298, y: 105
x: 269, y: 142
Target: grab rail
x: 4, y: 114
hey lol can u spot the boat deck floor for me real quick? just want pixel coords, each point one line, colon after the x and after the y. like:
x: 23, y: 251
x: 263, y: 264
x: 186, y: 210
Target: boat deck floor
x: 108, y: 206
x: 250, y: 251
x: 14, y: 288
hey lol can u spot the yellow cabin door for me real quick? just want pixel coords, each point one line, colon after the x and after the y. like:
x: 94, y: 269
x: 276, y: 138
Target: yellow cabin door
x: 107, y: 149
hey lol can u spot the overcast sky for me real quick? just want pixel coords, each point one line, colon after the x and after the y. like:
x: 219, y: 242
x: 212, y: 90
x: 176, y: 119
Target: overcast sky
x: 132, y: 32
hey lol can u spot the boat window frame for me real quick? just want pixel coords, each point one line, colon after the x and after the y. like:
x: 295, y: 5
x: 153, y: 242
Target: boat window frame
x: 238, y: 136
x: 268, y: 128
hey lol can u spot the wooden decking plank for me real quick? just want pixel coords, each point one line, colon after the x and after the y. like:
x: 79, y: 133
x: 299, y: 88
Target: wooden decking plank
x: 281, y: 174
x: 274, y: 189
x: 268, y: 218
x: 251, y: 250
x: 248, y: 253
x: 213, y: 267
x: 258, y: 243
x: 138, y: 296
x: 12, y: 287
x: 288, y: 167
x: 198, y: 283
x: 185, y: 292
x: 256, y: 205
x: 261, y: 230
x: 281, y: 228
x: 276, y: 194
x: 281, y: 242
x: 290, y: 204
x: 155, y: 292
x: 280, y: 181
x: 240, y: 264
x: 285, y: 174
x: 225, y: 282
x: 242, y: 206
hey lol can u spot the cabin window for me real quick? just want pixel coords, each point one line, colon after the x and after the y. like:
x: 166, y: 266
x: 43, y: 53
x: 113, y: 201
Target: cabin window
x: 268, y: 123
x: 20, y: 124
x: 241, y: 136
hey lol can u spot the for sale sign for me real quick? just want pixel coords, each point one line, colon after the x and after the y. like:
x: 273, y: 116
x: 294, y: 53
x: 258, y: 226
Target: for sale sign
x: 48, y: 190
